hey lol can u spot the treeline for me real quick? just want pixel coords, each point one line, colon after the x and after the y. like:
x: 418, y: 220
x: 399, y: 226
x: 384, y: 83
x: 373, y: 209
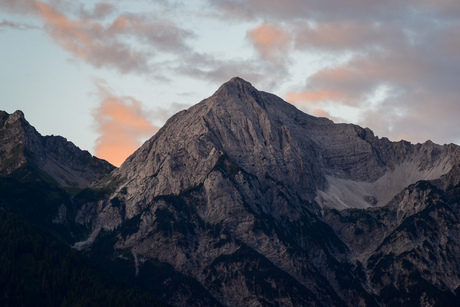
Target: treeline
x: 38, y: 270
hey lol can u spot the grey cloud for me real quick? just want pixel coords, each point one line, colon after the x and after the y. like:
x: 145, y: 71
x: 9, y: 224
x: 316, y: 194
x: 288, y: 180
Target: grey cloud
x: 341, y: 37
x: 163, y: 114
x: 110, y: 44
x: 16, y: 25
x: 209, y: 68
x: 421, y: 116
x: 159, y: 33
x: 18, y: 6
x: 215, y: 70
x: 99, y: 11
x: 415, y: 56
x: 332, y: 10
x: 128, y: 43
x: 423, y: 103
x: 118, y: 56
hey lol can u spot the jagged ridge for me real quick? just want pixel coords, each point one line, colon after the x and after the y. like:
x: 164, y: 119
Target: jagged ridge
x: 51, y: 157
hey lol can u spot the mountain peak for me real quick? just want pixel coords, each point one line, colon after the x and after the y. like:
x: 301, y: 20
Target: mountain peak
x: 17, y: 114
x: 22, y: 149
x: 239, y: 81
x: 236, y: 85
x: 236, y: 92
x: 6, y: 118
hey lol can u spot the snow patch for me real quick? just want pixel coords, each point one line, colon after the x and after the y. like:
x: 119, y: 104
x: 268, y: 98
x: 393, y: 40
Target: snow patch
x: 344, y: 193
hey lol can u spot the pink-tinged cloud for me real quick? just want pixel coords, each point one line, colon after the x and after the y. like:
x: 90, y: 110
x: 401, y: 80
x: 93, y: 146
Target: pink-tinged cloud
x: 122, y: 124
x: 419, y: 67
x: 270, y: 41
x: 321, y: 113
x: 129, y: 43
x: 324, y: 113
x: 90, y: 42
x: 353, y: 82
x: 315, y: 96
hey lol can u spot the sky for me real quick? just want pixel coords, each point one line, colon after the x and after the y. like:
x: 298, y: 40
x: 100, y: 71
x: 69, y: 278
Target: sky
x: 107, y: 75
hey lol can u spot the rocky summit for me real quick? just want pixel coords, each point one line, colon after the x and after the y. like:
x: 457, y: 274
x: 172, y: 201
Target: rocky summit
x: 243, y: 200
x: 24, y: 153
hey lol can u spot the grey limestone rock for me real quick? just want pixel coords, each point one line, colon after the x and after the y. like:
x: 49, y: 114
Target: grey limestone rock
x: 243, y: 182
x: 55, y: 158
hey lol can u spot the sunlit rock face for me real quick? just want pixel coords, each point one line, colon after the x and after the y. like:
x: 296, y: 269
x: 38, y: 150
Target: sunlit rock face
x: 24, y: 150
x: 261, y: 204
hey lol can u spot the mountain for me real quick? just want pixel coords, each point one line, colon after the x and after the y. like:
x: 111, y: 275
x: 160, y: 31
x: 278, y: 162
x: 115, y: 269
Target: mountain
x: 40, y: 174
x: 26, y: 153
x: 38, y: 178
x: 243, y: 200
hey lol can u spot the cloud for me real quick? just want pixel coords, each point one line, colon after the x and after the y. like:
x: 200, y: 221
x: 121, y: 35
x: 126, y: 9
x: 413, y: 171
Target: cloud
x: 129, y: 43
x: 315, y: 96
x: 161, y: 114
x: 332, y: 55
x: 421, y: 95
x: 324, y: 113
x: 100, y: 11
x: 343, y: 36
x: 122, y: 123
x: 334, y: 11
x: 252, y: 9
x: 90, y: 42
x: 18, y: 6
x: 414, y: 57
x: 216, y: 70
x: 270, y: 41
x: 321, y: 113
x: 16, y: 25
x: 417, y: 117
x: 161, y: 34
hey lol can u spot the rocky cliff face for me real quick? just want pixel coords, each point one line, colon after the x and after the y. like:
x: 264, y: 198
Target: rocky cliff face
x: 409, y: 248
x: 51, y: 157
x: 257, y: 203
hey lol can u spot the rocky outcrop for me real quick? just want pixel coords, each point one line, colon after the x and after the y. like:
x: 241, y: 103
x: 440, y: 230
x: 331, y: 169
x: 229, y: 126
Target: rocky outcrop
x: 409, y: 248
x: 51, y: 158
